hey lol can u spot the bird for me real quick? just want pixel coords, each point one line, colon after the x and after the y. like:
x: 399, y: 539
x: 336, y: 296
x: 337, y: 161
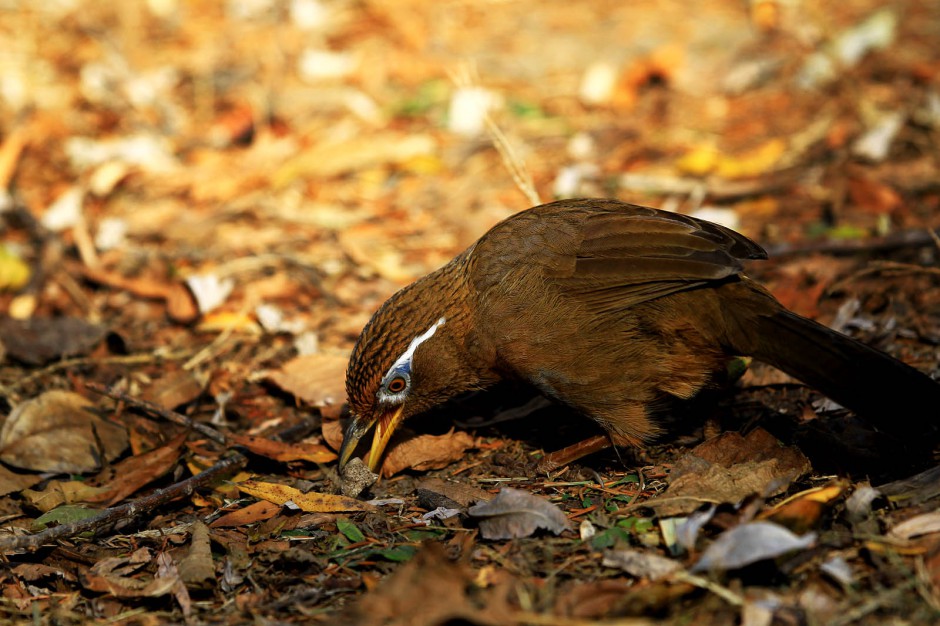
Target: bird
x: 616, y: 310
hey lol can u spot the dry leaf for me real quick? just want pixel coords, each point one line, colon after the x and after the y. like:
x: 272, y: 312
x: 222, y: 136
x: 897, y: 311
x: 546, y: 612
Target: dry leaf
x: 59, y: 492
x: 58, y: 432
x: 134, y: 472
x: 515, y: 513
x: 175, y: 388
x: 431, y: 590
x: 730, y: 467
x: 427, y: 452
x: 749, y: 543
x: 254, y: 512
x: 641, y: 564
x: 317, y: 379
x: 332, y: 432
x: 40, y: 340
x: 13, y: 482
x: 285, y: 452
x: 310, y: 502
x: 196, y: 569
x: 923, y: 524
x: 111, y: 575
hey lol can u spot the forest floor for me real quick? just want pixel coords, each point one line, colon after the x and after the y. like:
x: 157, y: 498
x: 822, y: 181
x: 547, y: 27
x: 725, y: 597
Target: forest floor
x: 205, y: 202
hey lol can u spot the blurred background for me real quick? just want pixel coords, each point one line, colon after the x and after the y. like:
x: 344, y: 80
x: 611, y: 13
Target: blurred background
x: 315, y: 155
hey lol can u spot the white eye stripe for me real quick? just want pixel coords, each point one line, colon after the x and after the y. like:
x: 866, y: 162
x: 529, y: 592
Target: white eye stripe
x: 407, y: 355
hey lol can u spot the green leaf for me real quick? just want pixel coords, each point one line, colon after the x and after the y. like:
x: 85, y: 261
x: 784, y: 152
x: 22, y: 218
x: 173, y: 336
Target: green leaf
x: 417, y: 536
x: 398, y: 553
x: 349, y: 530
x: 609, y: 538
x: 64, y: 514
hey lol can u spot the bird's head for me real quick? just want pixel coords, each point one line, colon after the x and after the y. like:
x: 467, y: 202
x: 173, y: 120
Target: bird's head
x: 411, y: 356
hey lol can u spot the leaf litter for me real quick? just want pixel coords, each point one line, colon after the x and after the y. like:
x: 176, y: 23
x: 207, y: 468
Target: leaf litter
x: 315, y: 182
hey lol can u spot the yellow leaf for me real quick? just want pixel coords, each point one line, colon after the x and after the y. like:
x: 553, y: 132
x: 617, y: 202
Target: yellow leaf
x: 222, y: 321
x: 754, y: 162
x: 699, y: 160
x: 309, y: 502
x: 14, y: 272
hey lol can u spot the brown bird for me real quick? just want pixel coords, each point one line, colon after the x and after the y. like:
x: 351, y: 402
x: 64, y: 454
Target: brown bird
x: 613, y: 309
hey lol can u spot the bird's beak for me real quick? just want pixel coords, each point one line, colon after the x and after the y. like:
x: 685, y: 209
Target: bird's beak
x: 385, y: 425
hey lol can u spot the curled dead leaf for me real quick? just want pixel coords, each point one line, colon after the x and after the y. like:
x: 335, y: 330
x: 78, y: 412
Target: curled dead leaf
x: 58, y: 432
x: 515, y: 513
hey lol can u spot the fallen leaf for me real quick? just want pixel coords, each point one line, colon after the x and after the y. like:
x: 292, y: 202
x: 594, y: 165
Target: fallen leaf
x: 427, y: 452
x: 134, y: 472
x: 254, y: 512
x: 58, y: 432
x: 750, y: 543
x: 59, y: 492
x: 197, y: 569
x: 332, y: 432
x: 310, y: 502
x: 317, y: 379
x: 285, y: 452
x: 39, y: 340
x: 923, y: 524
x: 14, y: 272
x: 640, y: 563
x: 431, y: 590
x: 515, y: 513
x: 803, y: 511
x: 174, y: 389
x: 13, y: 482
x: 730, y: 467
x: 65, y: 514
x: 180, y: 302
x: 111, y: 575
x: 436, y: 492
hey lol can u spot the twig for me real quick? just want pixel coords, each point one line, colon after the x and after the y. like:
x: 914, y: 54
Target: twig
x: 158, y: 411
x: 887, y: 243
x: 125, y: 359
x: 517, y: 169
x: 884, y: 266
x: 233, y: 461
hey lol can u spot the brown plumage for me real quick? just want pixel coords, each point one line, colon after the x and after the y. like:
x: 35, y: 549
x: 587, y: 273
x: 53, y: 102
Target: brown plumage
x: 610, y: 308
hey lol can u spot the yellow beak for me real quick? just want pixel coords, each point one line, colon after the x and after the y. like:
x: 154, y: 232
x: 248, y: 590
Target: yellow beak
x: 385, y: 425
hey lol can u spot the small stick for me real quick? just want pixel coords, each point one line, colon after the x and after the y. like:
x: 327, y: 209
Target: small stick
x: 232, y: 462
x: 153, y: 409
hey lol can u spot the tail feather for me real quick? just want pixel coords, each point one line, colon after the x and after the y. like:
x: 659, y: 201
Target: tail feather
x: 895, y: 397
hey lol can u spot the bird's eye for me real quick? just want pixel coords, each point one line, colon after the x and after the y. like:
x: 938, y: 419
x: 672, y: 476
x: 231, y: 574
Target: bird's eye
x: 397, y: 384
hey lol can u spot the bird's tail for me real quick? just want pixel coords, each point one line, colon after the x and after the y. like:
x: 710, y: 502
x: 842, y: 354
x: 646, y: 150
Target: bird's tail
x: 891, y: 395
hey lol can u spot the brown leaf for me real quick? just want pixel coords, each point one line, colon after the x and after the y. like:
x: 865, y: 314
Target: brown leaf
x: 431, y: 590
x: 111, y: 575
x: 175, y: 388
x: 58, y: 432
x: 515, y: 513
x: 254, y: 512
x: 317, y: 379
x: 641, y: 563
x: 196, y: 569
x: 427, y: 452
x: 438, y: 492
x: 134, y: 472
x: 730, y: 467
x: 13, y: 482
x: 310, y: 502
x: 285, y: 452
x: 332, y: 432
x: 180, y: 303
x: 39, y: 340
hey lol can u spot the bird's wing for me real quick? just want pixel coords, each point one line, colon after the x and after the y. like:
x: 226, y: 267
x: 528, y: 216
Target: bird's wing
x: 610, y: 255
